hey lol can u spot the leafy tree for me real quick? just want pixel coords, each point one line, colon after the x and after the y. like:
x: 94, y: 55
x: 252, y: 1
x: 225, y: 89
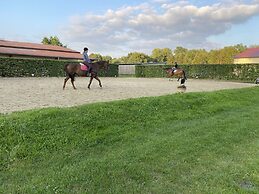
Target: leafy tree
x: 123, y: 59
x: 45, y: 40
x: 189, y: 56
x: 170, y: 60
x: 52, y: 40
x: 179, y: 54
x: 201, y: 57
x: 227, y: 53
x: 161, y: 55
x: 116, y: 61
x: 240, y: 47
x: 135, y: 57
x: 213, y: 57
x: 107, y: 58
x: 98, y: 57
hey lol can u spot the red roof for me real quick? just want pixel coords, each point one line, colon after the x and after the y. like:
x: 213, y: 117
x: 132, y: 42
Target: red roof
x: 249, y: 53
x: 37, y: 50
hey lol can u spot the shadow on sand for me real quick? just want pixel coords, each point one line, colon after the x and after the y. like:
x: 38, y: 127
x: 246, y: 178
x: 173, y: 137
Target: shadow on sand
x: 181, y: 88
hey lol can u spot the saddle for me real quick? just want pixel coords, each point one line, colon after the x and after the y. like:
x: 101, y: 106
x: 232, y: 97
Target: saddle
x: 83, y: 67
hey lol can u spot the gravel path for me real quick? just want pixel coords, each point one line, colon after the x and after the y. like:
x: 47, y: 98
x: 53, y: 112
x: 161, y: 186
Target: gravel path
x: 28, y: 93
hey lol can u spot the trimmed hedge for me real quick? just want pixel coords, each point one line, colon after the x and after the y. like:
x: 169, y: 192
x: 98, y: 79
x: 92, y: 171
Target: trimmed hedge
x: 244, y: 72
x: 17, y: 67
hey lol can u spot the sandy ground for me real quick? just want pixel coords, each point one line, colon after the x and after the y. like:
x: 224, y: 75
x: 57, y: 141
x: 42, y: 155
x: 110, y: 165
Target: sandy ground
x: 18, y: 94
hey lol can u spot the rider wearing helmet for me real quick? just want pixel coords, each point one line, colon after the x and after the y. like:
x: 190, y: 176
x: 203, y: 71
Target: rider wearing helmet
x: 175, y: 67
x: 87, y: 60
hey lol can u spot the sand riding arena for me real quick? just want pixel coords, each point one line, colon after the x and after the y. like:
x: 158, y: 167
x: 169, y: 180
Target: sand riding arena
x: 19, y: 94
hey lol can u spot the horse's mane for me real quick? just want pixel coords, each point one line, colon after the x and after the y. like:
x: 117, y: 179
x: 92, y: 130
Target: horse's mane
x: 97, y: 65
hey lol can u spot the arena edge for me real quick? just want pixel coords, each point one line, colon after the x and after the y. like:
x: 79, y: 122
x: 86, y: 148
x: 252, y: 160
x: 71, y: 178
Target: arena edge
x: 243, y: 72
x: 17, y: 67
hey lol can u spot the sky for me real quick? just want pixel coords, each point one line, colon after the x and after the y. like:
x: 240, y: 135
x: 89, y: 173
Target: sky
x: 118, y: 27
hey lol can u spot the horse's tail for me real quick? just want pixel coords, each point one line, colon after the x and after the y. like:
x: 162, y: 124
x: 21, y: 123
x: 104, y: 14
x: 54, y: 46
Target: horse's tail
x: 184, y: 75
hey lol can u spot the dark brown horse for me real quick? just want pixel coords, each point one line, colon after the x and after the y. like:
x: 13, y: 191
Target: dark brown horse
x: 179, y: 73
x: 74, y: 69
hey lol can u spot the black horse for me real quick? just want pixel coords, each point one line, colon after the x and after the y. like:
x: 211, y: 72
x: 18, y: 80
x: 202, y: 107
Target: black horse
x: 74, y: 69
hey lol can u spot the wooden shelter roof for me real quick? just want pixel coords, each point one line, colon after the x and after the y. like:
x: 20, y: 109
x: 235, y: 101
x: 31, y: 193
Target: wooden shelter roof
x: 13, y: 48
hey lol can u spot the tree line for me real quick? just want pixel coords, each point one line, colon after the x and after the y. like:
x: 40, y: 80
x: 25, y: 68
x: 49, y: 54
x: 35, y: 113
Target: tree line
x: 185, y: 56
x: 168, y: 56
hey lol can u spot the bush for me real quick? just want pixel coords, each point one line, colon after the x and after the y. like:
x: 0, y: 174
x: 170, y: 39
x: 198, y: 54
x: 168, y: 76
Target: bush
x: 244, y: 72
x: 17, y: 67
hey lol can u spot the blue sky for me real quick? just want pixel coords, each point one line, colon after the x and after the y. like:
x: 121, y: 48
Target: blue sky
x: 117, y: 27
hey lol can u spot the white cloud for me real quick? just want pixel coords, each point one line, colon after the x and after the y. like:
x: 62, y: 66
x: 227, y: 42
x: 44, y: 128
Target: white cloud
x: 147, y: 26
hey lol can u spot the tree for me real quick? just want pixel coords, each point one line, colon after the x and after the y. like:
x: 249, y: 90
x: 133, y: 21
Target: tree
x: 52, y: 40
x: 135, y: 57
x: 45, y: 40
x: 190, y: 56
x: 116, y: 61
x: 240, y: 47
x: 170, y: 60
x: 201, y: 57
x: 107, y: 58
x: 98, y: 57
x: 227, y: 53
x: 213, y: 57
x: 161, y: 55
x: 179, y: 54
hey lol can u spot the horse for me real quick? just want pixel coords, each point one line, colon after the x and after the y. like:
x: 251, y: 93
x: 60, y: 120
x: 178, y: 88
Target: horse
x: 74, y: 69
x: 179, y: 73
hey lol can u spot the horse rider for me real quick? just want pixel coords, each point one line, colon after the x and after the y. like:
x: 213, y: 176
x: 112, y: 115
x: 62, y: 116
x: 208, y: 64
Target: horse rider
x: 175, y: 67
x: 87, y: 60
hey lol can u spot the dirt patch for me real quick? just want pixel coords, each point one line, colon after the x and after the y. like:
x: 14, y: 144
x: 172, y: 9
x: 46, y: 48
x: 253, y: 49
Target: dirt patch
x: 28, y: 93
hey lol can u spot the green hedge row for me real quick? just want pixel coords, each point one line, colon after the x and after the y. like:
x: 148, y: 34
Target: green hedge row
x: 17, y: 67
x: 244, y: 72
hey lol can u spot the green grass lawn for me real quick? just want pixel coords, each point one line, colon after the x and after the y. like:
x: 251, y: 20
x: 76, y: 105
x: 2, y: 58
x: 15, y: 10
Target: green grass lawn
x: 180, y: 143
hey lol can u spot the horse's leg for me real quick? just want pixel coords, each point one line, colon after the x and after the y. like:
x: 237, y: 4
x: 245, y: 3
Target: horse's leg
x: 90, y: 82
x: 97, y: 78
x: 170, y: 76
x: 65, y: 81
x: 72, y: 81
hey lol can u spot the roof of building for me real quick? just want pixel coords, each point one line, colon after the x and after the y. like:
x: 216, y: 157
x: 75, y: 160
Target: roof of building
x: 249, y: 53
x: 13, y: 48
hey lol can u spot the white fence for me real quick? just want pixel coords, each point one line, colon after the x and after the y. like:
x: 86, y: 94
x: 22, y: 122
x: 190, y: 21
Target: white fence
x: 126, y: 69
x: 129, y: 69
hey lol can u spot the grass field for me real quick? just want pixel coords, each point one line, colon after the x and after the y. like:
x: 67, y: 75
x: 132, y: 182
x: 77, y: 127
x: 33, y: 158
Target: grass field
x: 180, y: 143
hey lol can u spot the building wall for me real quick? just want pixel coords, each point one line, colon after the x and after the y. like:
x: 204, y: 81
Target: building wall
x: 246, y: 61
